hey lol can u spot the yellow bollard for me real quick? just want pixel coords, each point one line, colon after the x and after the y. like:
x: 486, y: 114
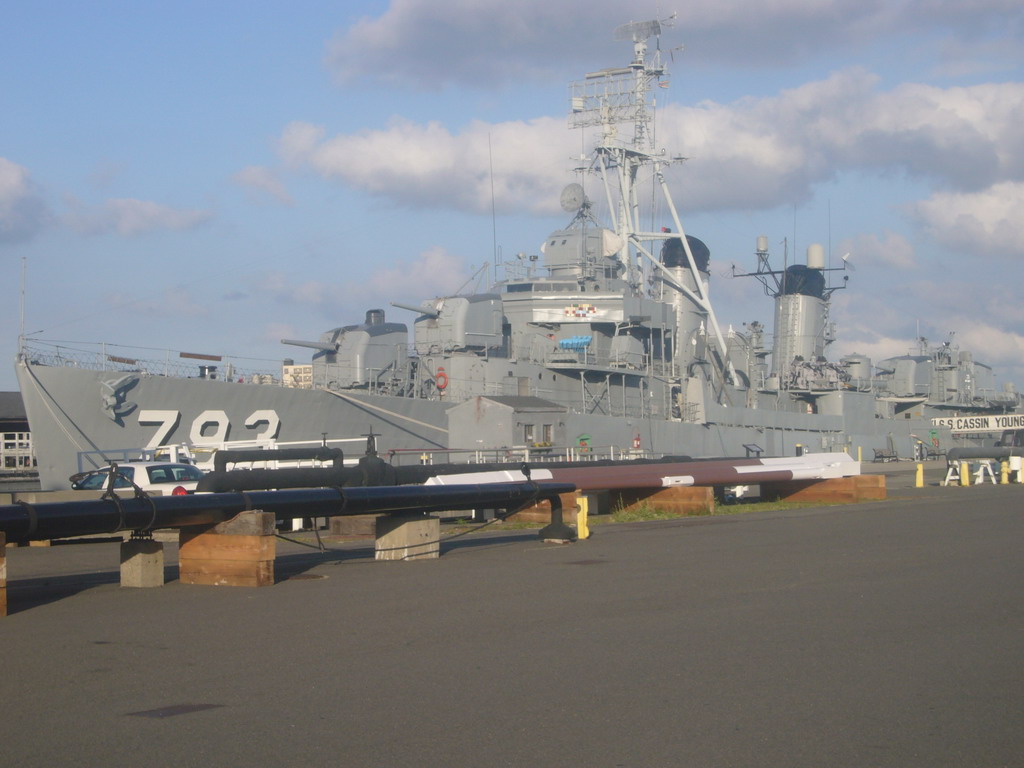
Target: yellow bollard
x: 919, y: 480
x: 582, y: 528
x: 965, y: 473
x: 858, y: 453
x: 1004, y: 473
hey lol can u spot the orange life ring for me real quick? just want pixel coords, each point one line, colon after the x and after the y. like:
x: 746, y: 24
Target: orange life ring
x: 441, y: 379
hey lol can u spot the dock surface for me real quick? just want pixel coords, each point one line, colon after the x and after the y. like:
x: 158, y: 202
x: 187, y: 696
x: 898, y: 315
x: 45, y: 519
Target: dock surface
x: 883, y: 634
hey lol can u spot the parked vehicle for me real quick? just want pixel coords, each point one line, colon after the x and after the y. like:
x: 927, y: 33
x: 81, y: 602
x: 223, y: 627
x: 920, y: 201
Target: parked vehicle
x: 168, y: 479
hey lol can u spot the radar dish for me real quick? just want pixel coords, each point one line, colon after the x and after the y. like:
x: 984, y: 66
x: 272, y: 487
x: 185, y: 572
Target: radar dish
x: 573, y: 198
x: 638, y: 31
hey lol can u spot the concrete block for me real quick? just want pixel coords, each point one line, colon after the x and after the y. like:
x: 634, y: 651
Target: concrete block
x: 142, y: 563
x: 408, y: 537
x: 3, y: 574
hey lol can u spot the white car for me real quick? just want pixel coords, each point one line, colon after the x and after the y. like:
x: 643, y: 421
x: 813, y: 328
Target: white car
x: 160, y: 477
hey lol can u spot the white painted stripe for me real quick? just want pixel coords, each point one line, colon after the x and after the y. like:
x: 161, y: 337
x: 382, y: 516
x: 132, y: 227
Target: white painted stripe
x: 677, y: 480
x: 495, y: 476
x: 812, y: 466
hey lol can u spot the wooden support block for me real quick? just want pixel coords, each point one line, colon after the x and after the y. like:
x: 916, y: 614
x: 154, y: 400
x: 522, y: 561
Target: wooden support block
x: 837, y: 490
x: 237, y: 553
x: 408, y: 537
x: 3, y: 574
x: 677, y: 499
x: 228, y: 573
x: 541, y: 511
x: 220, y: 546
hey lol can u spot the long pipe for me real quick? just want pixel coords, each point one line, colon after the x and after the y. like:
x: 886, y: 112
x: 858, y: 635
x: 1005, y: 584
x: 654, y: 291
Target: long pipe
x: 970, y: 452
x: 51, y: 520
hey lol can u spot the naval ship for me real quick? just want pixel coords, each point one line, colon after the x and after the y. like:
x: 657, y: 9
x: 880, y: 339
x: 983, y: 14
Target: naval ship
x: 603, y: 343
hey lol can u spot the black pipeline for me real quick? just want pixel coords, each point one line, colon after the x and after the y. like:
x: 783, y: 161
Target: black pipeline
x: 23, y: 521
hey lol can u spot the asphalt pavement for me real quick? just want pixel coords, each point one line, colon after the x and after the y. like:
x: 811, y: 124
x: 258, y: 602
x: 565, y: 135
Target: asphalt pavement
x: 878, y: 634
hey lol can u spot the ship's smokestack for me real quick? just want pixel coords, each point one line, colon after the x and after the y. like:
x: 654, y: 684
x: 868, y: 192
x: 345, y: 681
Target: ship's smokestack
x: 801, y: 313
x: 691, y: 318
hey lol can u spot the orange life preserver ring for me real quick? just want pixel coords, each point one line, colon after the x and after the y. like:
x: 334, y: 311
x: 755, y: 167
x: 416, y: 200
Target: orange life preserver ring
x: 441, y: 379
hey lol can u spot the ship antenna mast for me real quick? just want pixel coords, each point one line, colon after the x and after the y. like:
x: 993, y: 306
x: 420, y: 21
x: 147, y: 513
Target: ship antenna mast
x: 21, y: 309
x: 610, y: 97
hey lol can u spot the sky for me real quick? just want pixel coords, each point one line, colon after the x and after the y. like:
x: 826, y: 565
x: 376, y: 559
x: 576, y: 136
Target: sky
x: 214, y: 177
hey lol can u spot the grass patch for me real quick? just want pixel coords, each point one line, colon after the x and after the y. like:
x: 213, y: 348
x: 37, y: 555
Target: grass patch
x: 646, y: 511
x: 641, y: 513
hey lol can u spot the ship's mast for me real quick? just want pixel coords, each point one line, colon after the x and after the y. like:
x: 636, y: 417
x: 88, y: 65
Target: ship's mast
x: 607, y: 99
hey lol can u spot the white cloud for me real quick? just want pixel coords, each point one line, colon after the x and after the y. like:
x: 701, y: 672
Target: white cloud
x: 482, y: 42
x: 298, y: 141
x: 890, y: 249
x: 760, y: 153
x: 264, y: 181
x: 990, y: 221
x: 475, y: 42
x: 23, y: 212
x: 751, y: 154
x: 128, y: 217
x: 1001, y: 347
x: 435, y: 272
x: 428, y: 166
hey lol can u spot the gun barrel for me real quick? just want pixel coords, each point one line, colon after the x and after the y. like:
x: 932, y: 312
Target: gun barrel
x: 323, y: 346
x: 420, y: 310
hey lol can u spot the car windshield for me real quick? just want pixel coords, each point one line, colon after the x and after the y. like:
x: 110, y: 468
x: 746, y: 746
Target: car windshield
x: 98, y: 480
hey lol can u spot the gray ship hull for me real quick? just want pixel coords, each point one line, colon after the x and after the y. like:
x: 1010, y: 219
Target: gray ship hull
x: 80, y: 420
x: 74, y: 428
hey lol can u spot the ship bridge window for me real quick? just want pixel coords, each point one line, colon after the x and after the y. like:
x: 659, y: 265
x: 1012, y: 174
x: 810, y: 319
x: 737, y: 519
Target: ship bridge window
x: 539, y: 287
